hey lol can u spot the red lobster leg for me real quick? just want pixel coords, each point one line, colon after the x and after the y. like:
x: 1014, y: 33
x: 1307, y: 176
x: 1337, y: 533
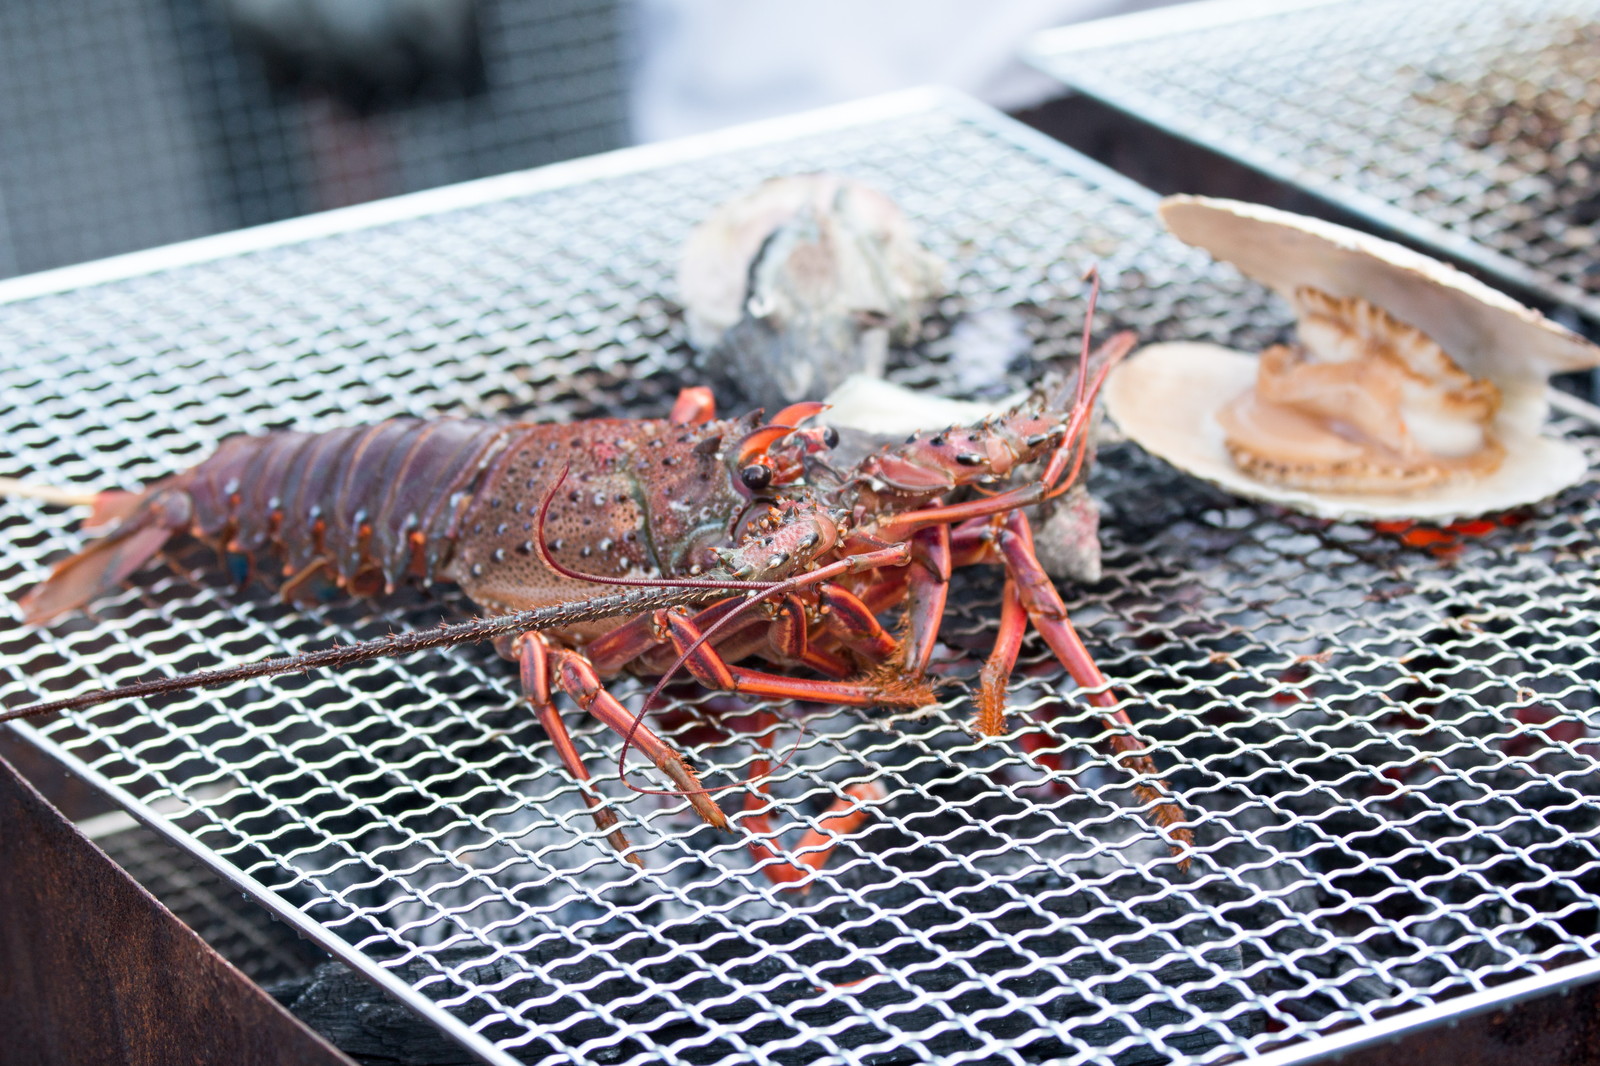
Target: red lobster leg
x: 577, y: 678
x: 844, y: 816
x: 642, y: 637
x: 635, y: 639
x: 930, y: 587
x: 850, y: 621
x: 708, y: 667
x: 712, y: 671
x: 972, y: 542
x: 789, y: 642
x: 901, y: 526
x: 695, y: 406
x: 1049, y: 616
x: 996, y: 676
x: 786, y: 632
x: 533, y: 659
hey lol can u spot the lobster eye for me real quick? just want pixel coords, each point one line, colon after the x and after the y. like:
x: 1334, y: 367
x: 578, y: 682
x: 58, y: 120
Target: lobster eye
x: 756, y: 476
x: 830, y: 436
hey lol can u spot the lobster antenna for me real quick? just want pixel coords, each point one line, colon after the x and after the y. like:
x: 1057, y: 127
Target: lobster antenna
x: 10, y: 486
x: 555, y: 616
x: 1092, y: 276
x: 1115, y: 348
x: 1085, y: 394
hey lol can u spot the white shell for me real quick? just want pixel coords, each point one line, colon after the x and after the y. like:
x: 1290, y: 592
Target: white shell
x: 1486, y: 332
x: 1166, y: 396
x: 885, y: 409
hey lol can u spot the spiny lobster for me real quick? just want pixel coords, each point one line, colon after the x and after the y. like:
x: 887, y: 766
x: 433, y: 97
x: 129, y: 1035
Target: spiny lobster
x: 538, y: 524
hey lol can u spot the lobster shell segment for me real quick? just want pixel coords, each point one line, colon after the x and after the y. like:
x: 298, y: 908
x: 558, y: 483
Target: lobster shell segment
x: 360, y: 507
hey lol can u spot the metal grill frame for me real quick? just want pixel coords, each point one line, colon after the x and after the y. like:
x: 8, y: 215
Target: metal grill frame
x: 1102, y: 59
x: 352, y: 222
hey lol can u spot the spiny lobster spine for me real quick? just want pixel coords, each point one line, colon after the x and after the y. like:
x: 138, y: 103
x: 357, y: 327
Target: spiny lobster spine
x: 633, y: 601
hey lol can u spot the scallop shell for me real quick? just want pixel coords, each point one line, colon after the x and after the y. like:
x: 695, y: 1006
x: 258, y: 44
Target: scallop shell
x: 1166, y: 396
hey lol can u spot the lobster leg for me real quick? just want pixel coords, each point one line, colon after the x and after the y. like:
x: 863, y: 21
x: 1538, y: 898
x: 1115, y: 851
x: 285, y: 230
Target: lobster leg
x: 930, y: 587
x: 694, y: 406
x: 533, y: 660
x: 576, y: 677
x: 843, y: 817
x: 996, y: 675
x: 1044, y: 608
x: 642, y: 639
x: 634, y: 639
x: 713, y: 671
x: 972, y: 542
x: 901, y: 526
x: 789, y: 642
x: 848, y: 620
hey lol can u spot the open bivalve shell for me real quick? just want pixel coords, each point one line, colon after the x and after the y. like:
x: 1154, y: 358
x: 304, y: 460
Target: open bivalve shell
x: 1411, y: 391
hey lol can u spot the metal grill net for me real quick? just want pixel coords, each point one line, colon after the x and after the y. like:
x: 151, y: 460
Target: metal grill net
x: 1465, y: 120
x: 1386, y: 748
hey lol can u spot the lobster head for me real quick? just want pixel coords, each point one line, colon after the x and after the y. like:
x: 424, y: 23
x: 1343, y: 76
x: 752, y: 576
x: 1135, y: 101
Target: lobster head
x: 724, y: 487
x: 782, y: 538
x: 775, y: 455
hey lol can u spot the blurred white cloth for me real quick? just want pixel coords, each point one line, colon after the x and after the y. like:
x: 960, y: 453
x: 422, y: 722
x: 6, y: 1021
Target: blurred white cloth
x: 705, y: 64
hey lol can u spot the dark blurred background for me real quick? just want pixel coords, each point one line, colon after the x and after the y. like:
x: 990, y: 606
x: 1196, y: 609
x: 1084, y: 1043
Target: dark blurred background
x: 131, y: 123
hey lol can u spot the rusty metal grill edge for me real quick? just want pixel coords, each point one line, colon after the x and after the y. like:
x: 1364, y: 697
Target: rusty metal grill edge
x: 1386, y: 747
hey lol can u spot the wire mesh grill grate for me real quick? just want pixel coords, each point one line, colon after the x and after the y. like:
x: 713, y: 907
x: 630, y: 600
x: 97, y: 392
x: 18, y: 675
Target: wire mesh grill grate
x: 1469, y: 125
x: 1386, y: 747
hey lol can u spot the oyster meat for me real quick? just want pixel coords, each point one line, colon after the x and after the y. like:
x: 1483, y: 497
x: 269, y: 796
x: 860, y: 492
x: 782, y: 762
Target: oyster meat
x: 801, y: 282
x: 1411, y: 391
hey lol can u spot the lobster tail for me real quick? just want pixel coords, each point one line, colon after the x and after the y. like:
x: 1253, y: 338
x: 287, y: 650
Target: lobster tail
x: 101, y: 567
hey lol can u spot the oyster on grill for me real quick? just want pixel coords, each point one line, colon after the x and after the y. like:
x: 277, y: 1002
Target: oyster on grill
x: 806, y: 279
x: 1411, y: 391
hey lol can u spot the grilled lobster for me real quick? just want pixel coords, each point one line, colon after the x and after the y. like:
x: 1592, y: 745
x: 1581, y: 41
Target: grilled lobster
x: 550, y: 519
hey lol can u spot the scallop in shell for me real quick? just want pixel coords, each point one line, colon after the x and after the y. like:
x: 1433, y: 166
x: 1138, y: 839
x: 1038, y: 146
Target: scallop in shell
x: 1411, y: 390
